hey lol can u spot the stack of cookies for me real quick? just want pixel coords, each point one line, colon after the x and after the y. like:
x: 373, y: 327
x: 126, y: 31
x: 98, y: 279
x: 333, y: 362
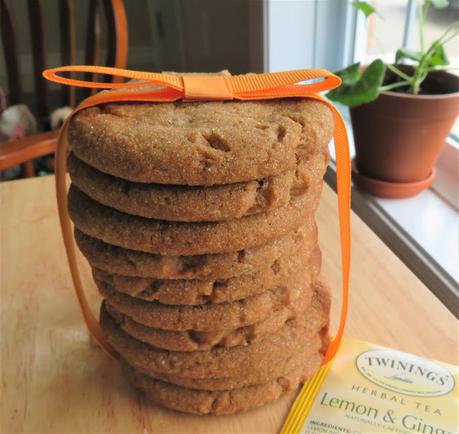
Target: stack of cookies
x: 198, y: 222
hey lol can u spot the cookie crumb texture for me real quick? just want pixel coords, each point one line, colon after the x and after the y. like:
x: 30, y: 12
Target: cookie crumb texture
x: 129, y: 262
x: 201, y: 143
x: 198, y: 221
x: 204, y: 402
x: 197, y: 203
x: 216, y: 291
x: 249, y: 377
x: 243, y: 361
x: 178, y: 238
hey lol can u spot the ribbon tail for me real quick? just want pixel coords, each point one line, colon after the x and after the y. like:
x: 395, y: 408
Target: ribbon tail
x: 343, y: 181
x: 61, y: 191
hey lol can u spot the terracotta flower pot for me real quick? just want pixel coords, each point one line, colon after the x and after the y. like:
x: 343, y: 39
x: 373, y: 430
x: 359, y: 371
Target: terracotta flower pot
x: 399, y: 136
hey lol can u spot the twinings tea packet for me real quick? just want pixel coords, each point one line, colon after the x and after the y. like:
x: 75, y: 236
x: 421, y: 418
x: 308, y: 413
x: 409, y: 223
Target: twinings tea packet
x: 372, y: 389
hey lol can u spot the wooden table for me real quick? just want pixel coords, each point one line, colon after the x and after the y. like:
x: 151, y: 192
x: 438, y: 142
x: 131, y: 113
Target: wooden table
x: 54, y: 380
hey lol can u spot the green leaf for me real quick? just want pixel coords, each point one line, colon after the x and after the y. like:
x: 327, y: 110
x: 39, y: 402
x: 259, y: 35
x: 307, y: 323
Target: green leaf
x: 439, y: 4
x: 359, y: 88
x: 403, y: 53
x: 438, y: 57
x: 364, y: 7
x: 351, y: 73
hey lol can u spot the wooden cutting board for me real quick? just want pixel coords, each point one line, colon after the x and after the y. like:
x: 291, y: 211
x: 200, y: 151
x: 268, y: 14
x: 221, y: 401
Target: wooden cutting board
x: 54, y: 380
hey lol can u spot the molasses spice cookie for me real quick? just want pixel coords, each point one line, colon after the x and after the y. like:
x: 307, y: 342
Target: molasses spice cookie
x: 128, y: 262
x: 217, y: 402
x: 209, y: 317
x: 196, y: 292
x: 317, y: 310
x: 179, y: 238
x: 197, y: 203
x: 239, y: 361
x: 201, y: 143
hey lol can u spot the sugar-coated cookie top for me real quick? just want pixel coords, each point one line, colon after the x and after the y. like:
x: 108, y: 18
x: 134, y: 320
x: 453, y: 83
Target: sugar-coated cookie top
x: 202, y: 143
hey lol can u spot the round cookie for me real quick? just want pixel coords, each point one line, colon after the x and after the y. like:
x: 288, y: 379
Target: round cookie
x: 199, y: 143
x: 188, y: 204
x: 217, y: 402
x: 209, y: 317
x: 297, y: 361
x: 179, y: 238
x: 197, y: 292
x: 119, y: 260
x: 193, y: 340
x: 251, y: 360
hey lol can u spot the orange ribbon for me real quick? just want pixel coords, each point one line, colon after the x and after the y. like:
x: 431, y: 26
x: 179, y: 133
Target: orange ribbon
x: 167, y: 88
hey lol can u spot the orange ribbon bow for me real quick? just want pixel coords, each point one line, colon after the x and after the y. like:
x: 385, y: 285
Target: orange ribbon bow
x: 300, y: 83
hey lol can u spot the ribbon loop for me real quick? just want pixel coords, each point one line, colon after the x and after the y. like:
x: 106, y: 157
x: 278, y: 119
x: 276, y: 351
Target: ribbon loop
x: 282, y: 82
x: 143, y: 78
x: 207, y: 87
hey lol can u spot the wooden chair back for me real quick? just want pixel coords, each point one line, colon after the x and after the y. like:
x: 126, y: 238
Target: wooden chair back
x: 111, y: 10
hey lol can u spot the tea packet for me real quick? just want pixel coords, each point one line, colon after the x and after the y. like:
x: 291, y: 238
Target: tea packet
x: 372, y: 389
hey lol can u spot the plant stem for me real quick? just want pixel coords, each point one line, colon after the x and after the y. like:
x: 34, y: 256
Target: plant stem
x: 423, y: 9
x: 397, y: 71
x: 394, y: 85
x: 423, y: 67
x: 442, y: 41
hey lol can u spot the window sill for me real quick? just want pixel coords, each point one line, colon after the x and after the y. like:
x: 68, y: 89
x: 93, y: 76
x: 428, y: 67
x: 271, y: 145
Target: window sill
x: 435, y: 226
x: 422, y: 231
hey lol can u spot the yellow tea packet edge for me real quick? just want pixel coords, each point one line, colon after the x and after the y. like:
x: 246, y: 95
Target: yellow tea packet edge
x: 304, y: 401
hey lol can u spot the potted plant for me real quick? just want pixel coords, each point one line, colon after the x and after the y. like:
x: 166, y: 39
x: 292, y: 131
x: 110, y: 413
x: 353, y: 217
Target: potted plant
x: 401, y: 113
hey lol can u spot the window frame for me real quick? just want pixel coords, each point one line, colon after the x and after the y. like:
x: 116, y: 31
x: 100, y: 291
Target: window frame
x: 447, y: 180
x: 445, y: 187
x: 347, y: 44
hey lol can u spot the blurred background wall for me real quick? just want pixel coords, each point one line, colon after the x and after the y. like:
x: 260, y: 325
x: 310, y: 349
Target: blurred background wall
x: 238, y: 35
x: 173, y: 35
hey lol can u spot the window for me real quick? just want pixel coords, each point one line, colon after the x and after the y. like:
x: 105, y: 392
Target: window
x: 386, y: 31
x: 427, y: 244
x: 396, y: 26
x: 331, y: 34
